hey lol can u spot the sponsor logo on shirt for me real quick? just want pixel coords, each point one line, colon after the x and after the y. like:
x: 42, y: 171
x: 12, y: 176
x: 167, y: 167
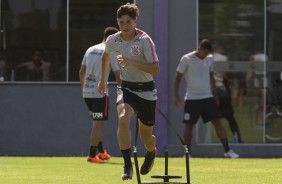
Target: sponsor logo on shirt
x: 137, y: 40
x: 96, y: 53
x: 207, y: 62
x: 135, y: 50
x: 91, y: 78
x: 118, y: 40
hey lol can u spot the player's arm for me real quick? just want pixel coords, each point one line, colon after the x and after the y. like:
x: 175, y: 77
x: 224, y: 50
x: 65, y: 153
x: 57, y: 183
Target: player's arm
x: 82, y: 73
x: 105, y: 64
x: 250, y: 74
x: 177, y: 81
x: 115, y: 68
x: 152, y: 68
x: 213, y: 87
x: 249, y: 78
x: 117, y: 77
x: 151, y: 65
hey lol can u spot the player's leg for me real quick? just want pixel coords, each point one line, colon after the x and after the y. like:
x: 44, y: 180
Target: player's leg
x: 96, y: 107
x: 221, y: 134
x: 95, y: 139
x: 219, y: 129
x: 125, y: 111
x: 96, y: 132
x: 147, y: 137
x: 146, y: 121
x: 188, y: 133
x: 233, y: 125
x: 103, y: 154
x: 210, y: 113
x: 192, y: 110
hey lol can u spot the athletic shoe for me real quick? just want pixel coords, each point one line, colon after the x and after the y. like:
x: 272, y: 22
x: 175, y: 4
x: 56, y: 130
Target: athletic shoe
x: 127, y: 173
x: 231, y: 154
x: 148, y: 162
x: 104, y: 156
x: 95, y: 159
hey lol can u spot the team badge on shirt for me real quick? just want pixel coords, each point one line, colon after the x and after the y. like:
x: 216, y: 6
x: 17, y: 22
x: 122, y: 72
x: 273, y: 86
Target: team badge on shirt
x: 207, y: 62
x: 135, y: 50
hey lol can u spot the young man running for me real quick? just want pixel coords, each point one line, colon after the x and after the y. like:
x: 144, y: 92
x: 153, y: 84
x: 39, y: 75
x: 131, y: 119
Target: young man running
x: 138, y: 64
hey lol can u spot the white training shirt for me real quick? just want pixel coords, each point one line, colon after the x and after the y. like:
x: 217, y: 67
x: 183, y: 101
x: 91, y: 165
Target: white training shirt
x: 218, y: 76
x: 93, y: 61
x: 141, y: 48
x: 196, y: 72
x: 260, y: 57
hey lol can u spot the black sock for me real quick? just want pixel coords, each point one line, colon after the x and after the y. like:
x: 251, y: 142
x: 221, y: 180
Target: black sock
x: 100, y: 147
x: 92, y: 151
x: 126, y: 154
x: 225, y: 145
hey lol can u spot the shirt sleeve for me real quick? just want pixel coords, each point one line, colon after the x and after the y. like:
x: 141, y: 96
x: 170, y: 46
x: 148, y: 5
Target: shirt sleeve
x: 84, y: 60
x: 108, y: 44
x: 114, y: 63
x: 211, y: 60
x: 183, y: 65
x: 150, y: 50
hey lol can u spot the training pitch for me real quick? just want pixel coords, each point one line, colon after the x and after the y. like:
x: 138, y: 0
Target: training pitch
x: 76, y: 170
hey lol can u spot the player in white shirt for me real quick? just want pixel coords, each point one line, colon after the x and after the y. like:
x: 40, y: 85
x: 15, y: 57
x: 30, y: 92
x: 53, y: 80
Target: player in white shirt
x: 258, y: 78
x: 138, y: 64
x: 98, y: 105
x: 223, y: 90
x: 201, y: 94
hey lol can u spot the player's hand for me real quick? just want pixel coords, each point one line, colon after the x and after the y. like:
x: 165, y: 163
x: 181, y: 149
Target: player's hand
x: 122, y: 60
x: 102, y: 87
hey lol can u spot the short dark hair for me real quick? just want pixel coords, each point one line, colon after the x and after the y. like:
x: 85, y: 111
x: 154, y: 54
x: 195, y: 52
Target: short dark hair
x: 109, y: 31
x: 128, y: 9
x: 37, y: 52
x: 206, y: 44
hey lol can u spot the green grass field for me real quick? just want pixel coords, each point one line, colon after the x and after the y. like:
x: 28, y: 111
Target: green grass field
x: 75, y: 170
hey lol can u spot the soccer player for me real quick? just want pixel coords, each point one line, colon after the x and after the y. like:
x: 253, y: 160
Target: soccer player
x: 223, y: 90
x: 138, y: 64
x: 89, y: 74
x: 201, y: 95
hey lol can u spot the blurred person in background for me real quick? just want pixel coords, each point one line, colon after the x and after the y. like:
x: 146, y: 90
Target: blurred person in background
x: 223, y: 90
x: 36, y: 69
x: 255, y: 79
x: 2, y: 69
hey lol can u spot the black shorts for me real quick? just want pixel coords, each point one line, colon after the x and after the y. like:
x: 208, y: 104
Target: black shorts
x: 206, y: 108
x: 98, y: 107
x: 145, y: 109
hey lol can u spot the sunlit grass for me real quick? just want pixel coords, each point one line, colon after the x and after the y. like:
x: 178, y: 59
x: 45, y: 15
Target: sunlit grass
x: 68, y: 170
